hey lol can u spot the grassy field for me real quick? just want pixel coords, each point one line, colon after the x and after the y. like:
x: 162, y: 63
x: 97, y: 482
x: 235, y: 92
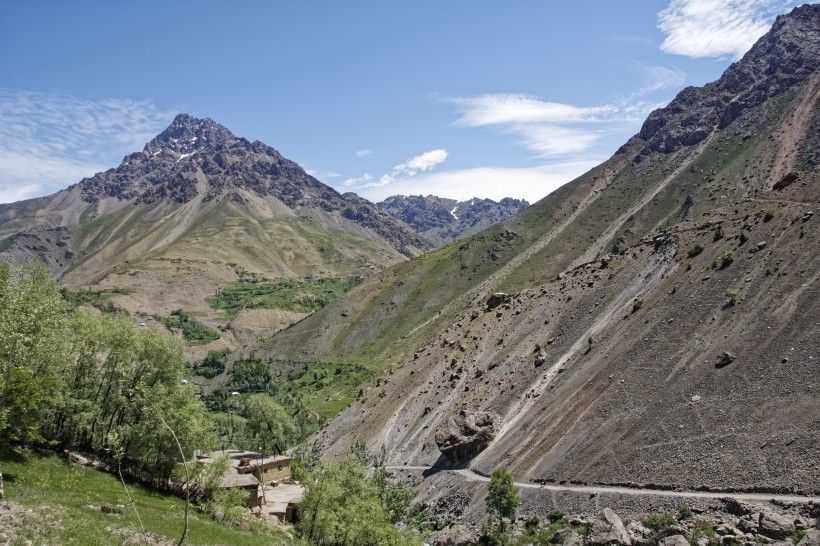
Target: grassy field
x: 50, y: 501
x: 193, y: 331
x: 303, y: 296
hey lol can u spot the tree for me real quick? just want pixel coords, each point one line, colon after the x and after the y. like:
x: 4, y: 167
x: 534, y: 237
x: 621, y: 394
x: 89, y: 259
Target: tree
x: 502, y: 496
x: 32, y: 338
x: 268, y: 422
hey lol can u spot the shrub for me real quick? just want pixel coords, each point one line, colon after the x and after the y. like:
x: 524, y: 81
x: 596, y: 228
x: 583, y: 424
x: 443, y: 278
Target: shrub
x: 694, y: 251
x: 659, y: 521
x: 743, y: 237
x: 636, y: 305
x: 684, y: 512
x: 703, y: 528
x: 718, y: 234
x: 731, y: 293
x: 768, y: 215
x: 723, y: 261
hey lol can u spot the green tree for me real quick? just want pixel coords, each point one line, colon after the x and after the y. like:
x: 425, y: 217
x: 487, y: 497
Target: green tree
x: 342, y: 506
x: 502, y: 497
x: 32, y: 338
x: 271, y: 426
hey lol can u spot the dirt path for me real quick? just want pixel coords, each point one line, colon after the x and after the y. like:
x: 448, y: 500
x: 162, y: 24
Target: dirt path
x: 469, y: 475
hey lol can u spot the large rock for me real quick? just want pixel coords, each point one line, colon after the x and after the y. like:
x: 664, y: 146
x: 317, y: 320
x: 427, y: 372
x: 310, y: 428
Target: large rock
x: 774, y: 525
x: 454, y: 535
x: 466, y: 434
x: 566, y: 537
x: 674, y: 540
x: 608, y: 530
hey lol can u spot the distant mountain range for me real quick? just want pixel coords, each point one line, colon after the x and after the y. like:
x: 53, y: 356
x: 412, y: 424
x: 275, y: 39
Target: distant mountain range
x: 440, y: 220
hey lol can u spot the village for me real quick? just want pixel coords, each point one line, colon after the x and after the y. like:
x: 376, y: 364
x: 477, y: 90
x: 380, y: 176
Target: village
x: 271, y: 491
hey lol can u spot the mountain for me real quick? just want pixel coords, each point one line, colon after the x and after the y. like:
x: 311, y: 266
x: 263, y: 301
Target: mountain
x: 196, y: 210
x: 442, y: 221
x: 655, y: 320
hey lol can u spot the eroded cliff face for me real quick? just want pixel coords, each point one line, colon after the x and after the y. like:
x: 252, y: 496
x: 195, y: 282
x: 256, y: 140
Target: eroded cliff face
x: 606, y: 361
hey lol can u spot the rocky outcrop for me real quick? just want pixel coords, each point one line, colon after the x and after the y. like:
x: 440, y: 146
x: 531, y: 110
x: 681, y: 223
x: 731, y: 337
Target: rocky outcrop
x: 466, y: 434
x: 785, y: 56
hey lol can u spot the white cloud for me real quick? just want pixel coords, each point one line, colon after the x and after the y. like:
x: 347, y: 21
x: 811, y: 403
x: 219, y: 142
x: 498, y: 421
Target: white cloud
x: 321, y: 175
x: 424, y: 162
x: 659, y: 78
x: 551, y: 129
x: 420, y: 163
x: 49, y: 141
x: 716, y: 28
x: 495, y: 183
x: 505, y: 108
x: 364, y: 153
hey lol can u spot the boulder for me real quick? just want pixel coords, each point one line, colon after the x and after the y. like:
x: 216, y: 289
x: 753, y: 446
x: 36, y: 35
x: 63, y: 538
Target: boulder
x: 674, y: 540
x: 466, y: 434
x: 608, y: 530
x: 566, y: 537
x: 776, y: 526
x: 454, y: 535
x: 725, y: 359
x: 497, y: 299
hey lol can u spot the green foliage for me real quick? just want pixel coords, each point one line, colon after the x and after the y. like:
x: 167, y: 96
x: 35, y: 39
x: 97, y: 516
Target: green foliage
x: 82, y: 379
x: 212, y: 365
x: 342, y: 505
x: 731, y: 293
x: 718, y: 235
x: 684, y: 512
x: 724, y: 260
x: 702, y: 528
x: 637, y: 305
x: 33, y: 334
x: 694, y: 251
x: 659, y: 521
x: 249, y: 376
x: 271, y: 428
x: 303, y: 296
x: 743, y: 237
x: 101, y: 299
x: 768, y: 215
x: 502, y: 497
x: 193, y: 331
x: 533, y: 533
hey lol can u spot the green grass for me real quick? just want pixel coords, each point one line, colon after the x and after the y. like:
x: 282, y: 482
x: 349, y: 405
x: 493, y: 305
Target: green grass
x: 303, y: 296
x: 66, y: 502
x: 193, y: 331
x: 101, y: 299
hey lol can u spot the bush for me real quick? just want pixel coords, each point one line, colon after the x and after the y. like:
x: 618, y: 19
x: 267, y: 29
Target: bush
x: 659, y: 521
x: 743, y: 237
x: 636, y: 305
x: 684, y: 512
x: 723, y: 261
x: 768, y: 215
x: 694, y: 251
x: 703, y: 528
x: 731, y: 293
x: 718, y: 234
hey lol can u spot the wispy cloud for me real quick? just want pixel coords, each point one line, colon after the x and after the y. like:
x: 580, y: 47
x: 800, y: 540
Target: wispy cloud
x: 49, y: 141
x: 716, y: 28
x: 420, y: 163
x: 530, y: 183
x: 363, y: 153
x: 659, y: 78
x: 321, y: 174
x: 550, y: 129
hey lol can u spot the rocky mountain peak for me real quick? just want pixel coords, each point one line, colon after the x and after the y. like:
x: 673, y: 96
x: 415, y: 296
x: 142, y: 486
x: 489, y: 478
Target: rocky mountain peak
x: 188, y: 134
x: 786, y: 55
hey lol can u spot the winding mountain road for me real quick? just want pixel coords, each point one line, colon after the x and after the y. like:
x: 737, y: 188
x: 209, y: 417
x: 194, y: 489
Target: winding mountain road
x: 469, y: 475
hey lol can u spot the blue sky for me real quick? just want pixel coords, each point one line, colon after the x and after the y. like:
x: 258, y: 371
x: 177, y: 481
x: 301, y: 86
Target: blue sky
x: 457, y: 99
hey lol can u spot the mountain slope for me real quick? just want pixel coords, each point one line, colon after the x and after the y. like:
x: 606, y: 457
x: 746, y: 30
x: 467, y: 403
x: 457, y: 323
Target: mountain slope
x: 198, y: 209
x: 606, y: 362
x: 442, y: 221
